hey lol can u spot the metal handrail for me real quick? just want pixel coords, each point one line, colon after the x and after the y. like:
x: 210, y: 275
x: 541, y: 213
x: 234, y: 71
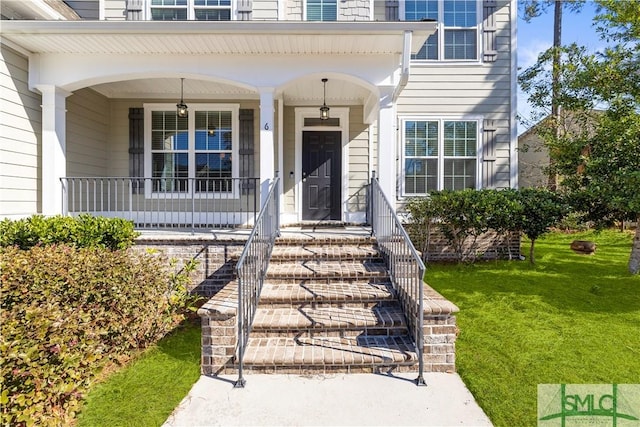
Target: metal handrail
x: 173, y: 202
x: 252, y: 268
x: 405, y: 266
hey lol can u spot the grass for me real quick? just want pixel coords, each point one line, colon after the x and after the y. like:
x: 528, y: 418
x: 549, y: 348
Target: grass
x: 147, y: 390
x: 569, y: 319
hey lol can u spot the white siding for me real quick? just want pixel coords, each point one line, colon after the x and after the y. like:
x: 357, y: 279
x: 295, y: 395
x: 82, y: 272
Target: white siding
x: 472, y: 89
x: 20, y: 137
x: 265, y: 10
x: 358, y: 160
x: 87, y: 134
x: 115, y: 9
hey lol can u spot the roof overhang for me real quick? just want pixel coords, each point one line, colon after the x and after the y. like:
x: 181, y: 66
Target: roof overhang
x: 208, y: 37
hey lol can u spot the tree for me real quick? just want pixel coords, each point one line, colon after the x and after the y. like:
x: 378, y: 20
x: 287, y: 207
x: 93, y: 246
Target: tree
x: 534, y: 8
x: 600, y: 165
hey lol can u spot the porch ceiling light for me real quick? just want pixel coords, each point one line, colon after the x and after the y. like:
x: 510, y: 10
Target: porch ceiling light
x: 324, y: 110
x: 181, y: 106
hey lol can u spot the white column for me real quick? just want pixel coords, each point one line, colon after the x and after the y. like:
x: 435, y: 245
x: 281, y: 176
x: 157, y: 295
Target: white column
x: 54, y: 156
x: 386, y: 170
x: 267, y: 158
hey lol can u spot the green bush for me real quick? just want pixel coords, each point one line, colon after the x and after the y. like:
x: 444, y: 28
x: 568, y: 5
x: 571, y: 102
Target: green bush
x: 84, y: 231
x: 462, y: 216
x: 65, y: 312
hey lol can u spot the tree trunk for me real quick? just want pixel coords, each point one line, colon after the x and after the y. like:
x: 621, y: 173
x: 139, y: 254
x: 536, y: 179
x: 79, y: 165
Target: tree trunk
x: 634, y: 259
x: 555, y: 86
x: 532, y: 259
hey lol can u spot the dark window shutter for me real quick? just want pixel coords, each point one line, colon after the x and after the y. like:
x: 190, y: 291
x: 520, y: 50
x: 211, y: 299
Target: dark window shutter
x: 244, y: 9
x: 490, y: 53
x: 391, y: 10
x: 134, y: 10
x: 489, y: 154
x: 136, y: 147
x: 245, y: 150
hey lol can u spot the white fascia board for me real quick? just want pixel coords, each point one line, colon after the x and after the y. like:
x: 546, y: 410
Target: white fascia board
x: 419, y: 29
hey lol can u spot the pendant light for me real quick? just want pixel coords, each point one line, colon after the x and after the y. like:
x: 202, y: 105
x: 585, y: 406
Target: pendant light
x: 324, y: 110
x: 181, y: 106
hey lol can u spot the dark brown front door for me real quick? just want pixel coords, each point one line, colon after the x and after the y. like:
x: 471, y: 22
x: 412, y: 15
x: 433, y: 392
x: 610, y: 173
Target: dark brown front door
x: 321, y: 168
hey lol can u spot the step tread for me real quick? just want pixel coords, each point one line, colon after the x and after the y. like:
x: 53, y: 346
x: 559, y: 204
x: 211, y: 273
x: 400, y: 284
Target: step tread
x: 330, y: 351
x: 335, y: 291
x: 329, y: 269
x: 327, y: 318
x: 304, y: 251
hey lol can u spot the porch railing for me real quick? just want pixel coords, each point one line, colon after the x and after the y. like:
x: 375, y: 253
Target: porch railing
x: 252, y: 267
x: 405, y: 266
x: 165, y: 202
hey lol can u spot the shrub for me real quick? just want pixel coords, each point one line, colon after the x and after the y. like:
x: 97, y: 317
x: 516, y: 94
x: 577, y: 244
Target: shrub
x: 62, y: 321
x: 83, y: 231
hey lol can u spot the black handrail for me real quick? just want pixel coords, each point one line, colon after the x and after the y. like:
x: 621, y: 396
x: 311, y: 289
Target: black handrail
x: 405, y: 266
x: 252, y: 267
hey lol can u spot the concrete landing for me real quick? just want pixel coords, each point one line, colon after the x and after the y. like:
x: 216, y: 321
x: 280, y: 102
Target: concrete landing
x: 330, y: 400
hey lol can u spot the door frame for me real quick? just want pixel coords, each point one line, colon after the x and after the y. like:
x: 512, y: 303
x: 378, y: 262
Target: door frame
x: 341, y: 113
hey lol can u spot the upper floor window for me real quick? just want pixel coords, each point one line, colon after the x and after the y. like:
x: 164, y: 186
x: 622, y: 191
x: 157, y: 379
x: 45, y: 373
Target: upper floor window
x: 439, y: 154
x: 322, y: 10
x: 203, y: 10
x: 456, y: 37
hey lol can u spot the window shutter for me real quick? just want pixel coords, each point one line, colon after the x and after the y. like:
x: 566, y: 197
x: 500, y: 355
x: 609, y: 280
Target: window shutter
x: 490, y: 53
x: 136, y: 148
x: 245, y: 150
x: 489, y: 154
x: 244, y: 9
x: 134, y: 10
x: 391, y: 10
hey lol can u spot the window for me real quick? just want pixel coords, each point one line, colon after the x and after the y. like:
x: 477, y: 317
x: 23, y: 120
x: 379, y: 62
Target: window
x: 322, y: 10
x: 439, y: 154
x: 193, y: 154
x: 203, y: 10
x: 456, y: 37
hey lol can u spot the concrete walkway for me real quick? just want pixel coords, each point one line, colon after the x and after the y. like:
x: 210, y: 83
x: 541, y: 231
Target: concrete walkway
x: 330, y: 400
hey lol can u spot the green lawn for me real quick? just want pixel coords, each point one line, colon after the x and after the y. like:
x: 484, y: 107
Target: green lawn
x: 569, y: 319
x: 146, y: 392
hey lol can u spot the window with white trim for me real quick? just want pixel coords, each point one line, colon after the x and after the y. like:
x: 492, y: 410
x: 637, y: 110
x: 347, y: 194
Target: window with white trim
x: 179, y: 10
x: 456, y: 37
x: 194, y: 154
x: 322, y: 10
x: 439, y: 154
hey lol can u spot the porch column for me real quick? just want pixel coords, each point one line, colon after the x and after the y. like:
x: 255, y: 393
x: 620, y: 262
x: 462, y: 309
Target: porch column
x: 386, y: 170
x: 267, y: 160
x: 54, y: 156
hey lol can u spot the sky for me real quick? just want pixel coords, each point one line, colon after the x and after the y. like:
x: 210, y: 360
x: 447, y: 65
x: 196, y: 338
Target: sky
x: 537, y: 36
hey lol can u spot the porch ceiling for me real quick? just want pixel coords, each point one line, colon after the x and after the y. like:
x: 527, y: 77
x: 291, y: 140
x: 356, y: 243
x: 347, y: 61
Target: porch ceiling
x: 202, y: 37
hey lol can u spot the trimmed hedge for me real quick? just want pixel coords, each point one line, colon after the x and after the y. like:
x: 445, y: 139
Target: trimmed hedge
x: 462, y: 216
x: 65, y: 312
x: 84, y: 231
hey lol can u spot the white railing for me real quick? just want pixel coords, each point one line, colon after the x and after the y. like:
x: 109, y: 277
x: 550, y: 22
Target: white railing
x: 165, y: 202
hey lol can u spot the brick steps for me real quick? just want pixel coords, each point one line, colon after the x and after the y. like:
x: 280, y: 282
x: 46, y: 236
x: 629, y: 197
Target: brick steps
x: 313, y: 291
x: 327, y: 304
x: 335, y: 270
x: 385, y: 320
x: 365, y: 353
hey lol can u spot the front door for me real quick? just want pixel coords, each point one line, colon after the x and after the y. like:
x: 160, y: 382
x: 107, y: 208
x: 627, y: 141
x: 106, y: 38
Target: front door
x: 321, y: 170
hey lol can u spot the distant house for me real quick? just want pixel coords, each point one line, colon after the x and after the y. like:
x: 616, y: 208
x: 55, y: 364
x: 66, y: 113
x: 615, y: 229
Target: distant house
x: 533, y: 154
x: 423, y: 92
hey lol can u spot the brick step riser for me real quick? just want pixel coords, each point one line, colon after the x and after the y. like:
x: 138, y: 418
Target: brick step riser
x: 327, y: 369
x: 276, y: 259
x: 344, y: 303
x: 285, y: 278
x: 338, y: 243
x: 329, y: 333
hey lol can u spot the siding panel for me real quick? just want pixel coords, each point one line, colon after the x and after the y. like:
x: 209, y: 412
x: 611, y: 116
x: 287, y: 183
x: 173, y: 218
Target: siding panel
x: 20, y: 127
